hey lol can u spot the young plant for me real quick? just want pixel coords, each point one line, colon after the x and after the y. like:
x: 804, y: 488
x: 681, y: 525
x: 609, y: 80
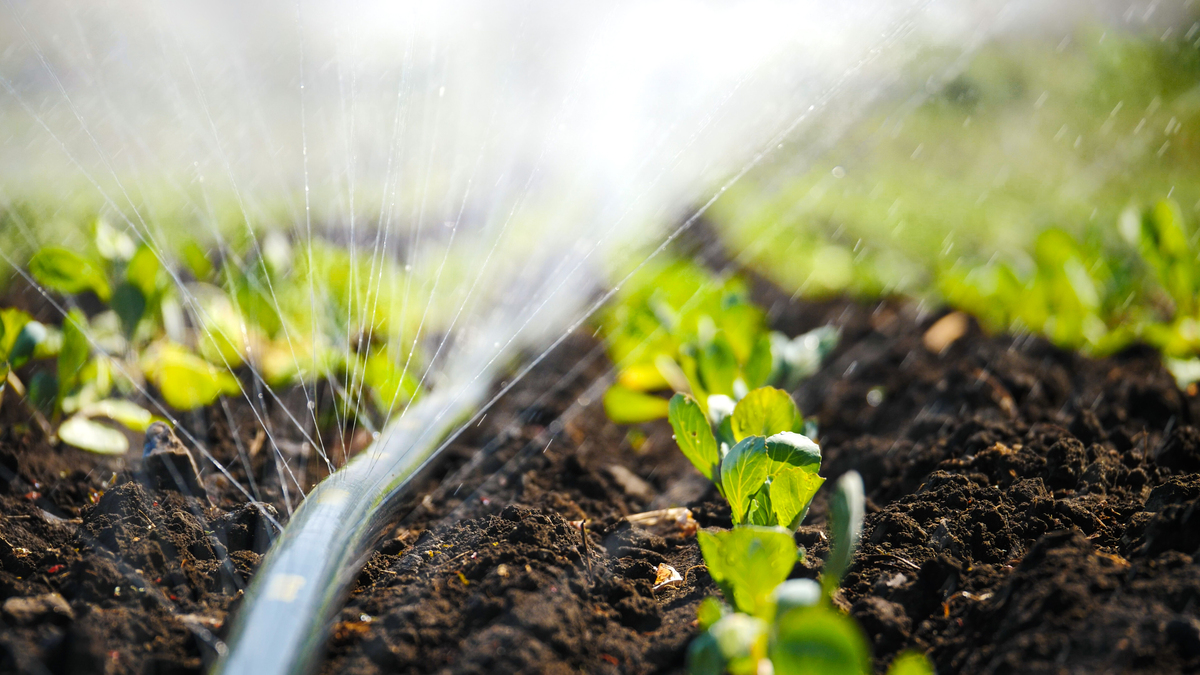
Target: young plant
x: 789, y: 626
x: 764, y: 468
x: 677, y: 326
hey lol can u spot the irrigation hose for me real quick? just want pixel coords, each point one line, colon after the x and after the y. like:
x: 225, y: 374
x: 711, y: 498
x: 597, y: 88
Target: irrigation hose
x: 287, y: 610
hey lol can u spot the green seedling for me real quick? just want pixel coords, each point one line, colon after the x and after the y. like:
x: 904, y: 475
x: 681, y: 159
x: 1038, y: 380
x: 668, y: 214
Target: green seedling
x: 735, y: 644
x: 68, y: 272
x: 790, y: 623
x: 847, y: 508
x: 759, y: 463
x: 748, y: 562
x: 678, y: 327
x: 818, y: 639
x: 290, y: 318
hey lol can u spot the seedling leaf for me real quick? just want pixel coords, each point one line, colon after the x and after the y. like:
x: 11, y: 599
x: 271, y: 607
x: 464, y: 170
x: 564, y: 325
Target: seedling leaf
x: 129, y: 304
x: 11, y: 322
x: 626, y: 406
x: 129, y: 414
x: 25, y: 346
x: 819, y: 639
x: 747, y: 563
x: 74, y: 353
x: 792, y: 490
x: 85, y: 434
x: 718, y: 366
x: 720, y: 410
x: 764, y: 412
x: 735, y: 644
x: 710, y: 611
x: 642, y: 377
x: 789, y: 449
x: 760, y: 512
x: 144, y: 271
x: 795, y: 593
x: 694, y: 436
x: 743, y: 471
x: 911, y: 663
x: 186, y: 381
x: 197, y: 261
x: 758, y: 367
x: 67, y: 272
x: 847, y: 511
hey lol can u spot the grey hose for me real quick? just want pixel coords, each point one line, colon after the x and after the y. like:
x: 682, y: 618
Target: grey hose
x: 284, y: 622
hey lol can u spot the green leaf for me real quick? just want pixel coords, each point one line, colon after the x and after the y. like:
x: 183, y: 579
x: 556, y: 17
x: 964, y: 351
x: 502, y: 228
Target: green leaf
x: 764, y: 412
x: 747, y: 563
x: 197, y: 261
x: 720, y: 411
x: 847, y: 509
x: 67, y: 272
x: 12, y: 320
x: 694, y: 436
x: 74, y: 353
x: 42, y: 390
x: 642, y: 377
x: 710, y: 611
x: 760, y: 512
x: 718, y: 366
x: 819, y: 639
x: 735, y: 644
x: 743, y: 471
x: 792, y: 491
x: 186, y: 381
x: 130, y: 305
x: 85, y: 434
x: 911, y: 663
x: 129, y: 414
x: 392, y: 386
x: 112, y: 244
x: 691, y: 372
x: 144, y: 271
x: 789, y: 449
x: 758, y: 367
x: 795, y: 593
x: 626, y: 406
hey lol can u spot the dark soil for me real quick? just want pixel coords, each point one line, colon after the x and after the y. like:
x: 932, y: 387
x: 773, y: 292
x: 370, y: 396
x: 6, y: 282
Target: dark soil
x: 1030, y: 511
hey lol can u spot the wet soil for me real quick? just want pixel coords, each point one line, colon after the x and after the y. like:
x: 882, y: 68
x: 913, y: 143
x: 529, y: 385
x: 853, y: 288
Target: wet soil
x: 1030, y: 510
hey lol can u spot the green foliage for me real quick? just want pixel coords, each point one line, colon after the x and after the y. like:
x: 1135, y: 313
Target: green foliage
x: 791, y: 491
x: 315, y: 317
x: 1084, y: 295
x: 765, y: 412
x: 677, y: 326
x: 769, y: 475
x: 744, y: 471
x: 735, y: 644
x: 747, y: 563
x: 73, y: 355
x: 694, y: 436
x: 87, y: 434
x: 847, y: 511
x: 12, y: 323
x: 818, y: 639
x: 751, y: 564
x: 710, y: 611
x: 629, y: 406
x: 911, y: 663
x: 185, y: 380
x: 68, y: 272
